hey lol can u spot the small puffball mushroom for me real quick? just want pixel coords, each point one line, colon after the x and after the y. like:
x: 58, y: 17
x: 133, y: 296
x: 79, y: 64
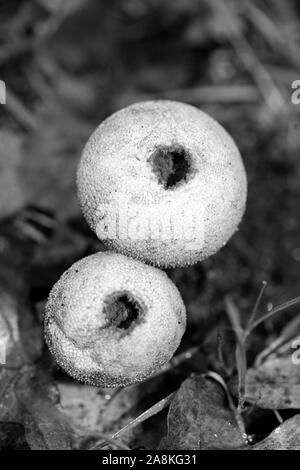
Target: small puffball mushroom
x: 162, y: 182
x: 112, y: 321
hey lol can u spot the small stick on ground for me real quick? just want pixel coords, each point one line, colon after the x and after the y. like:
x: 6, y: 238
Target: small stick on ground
x: 18, y: 110
x: 264, y: 81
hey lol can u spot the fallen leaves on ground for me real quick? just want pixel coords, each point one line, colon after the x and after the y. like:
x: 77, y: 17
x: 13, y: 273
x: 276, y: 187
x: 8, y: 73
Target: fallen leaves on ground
x: 200, y: 419
x: 29, y: 409
x: 284, y: 437
x: 274, y: 385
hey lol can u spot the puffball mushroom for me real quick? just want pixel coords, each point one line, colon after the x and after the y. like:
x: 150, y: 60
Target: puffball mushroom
x: 162, y: 182
x: 112, y: 321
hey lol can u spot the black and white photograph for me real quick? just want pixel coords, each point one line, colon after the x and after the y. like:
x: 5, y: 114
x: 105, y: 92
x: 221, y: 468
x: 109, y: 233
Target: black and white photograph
x: 149, y: 228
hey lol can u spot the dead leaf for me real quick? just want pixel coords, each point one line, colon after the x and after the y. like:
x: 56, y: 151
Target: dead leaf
x: 199, y: 418
x: 275, y: 384
x: 26, y: 387
x: 26, y: 397
x: 284, y: 437
x: 45, y: 425
x: 12, y: 437
x: 20, y: 336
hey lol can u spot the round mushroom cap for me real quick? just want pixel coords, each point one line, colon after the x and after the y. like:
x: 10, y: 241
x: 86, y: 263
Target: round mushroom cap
x: 112, y: 321
x: 162, y: 182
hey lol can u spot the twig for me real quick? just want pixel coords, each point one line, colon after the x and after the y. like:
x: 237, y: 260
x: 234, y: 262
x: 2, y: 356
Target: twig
x: 265, y: 83
x: 273, y: 34
x: 264, y: 24
x: 214, y: 94
x: 12, y: 51
x: 19, y: 111
x: 278, y: 416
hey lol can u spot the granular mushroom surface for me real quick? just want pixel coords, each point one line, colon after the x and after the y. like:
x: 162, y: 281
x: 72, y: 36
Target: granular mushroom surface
x: 163, y: 182
x: 112, y: 321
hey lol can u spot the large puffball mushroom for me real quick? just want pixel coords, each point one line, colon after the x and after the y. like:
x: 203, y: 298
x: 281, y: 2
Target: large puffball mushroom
x: 112, y: 321
x: 162, y: 182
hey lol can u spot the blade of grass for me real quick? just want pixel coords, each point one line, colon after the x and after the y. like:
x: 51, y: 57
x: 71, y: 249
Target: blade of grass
x: 240, y: 353
x: 235, y: 318
x: 287, y: 334
x: 241, y: 361
x: 277, y: 309
x: 152, y: 411
x: 256, y: 305
x: 236, y: 411
x: 108, y: 440
x: 278, y: 416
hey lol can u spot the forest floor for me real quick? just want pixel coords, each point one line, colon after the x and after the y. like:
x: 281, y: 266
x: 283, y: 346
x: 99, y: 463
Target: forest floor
x: 67, y: 65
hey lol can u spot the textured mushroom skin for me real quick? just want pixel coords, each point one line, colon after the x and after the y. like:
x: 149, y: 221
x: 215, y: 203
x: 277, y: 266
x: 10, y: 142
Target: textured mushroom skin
x: 115, y: 173
x: 91, y: 349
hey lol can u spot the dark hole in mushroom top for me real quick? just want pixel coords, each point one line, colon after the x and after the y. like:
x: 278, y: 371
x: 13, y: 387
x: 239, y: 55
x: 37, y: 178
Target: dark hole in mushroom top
x: 122, y: 310
x: 171, y: 164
